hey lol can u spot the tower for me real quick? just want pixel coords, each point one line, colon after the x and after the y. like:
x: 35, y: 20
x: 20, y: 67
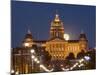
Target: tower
x: 28, y: 40
x: 56, y: 45
x: 57, y: 29
x: 83, y: 41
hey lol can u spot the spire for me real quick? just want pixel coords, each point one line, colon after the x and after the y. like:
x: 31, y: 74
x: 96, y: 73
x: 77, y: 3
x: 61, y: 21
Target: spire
x: 29, y: 32
x: 56, y: 17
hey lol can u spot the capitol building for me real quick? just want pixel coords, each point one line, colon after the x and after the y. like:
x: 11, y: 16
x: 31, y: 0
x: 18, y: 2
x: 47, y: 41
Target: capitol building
x: 57, y: 47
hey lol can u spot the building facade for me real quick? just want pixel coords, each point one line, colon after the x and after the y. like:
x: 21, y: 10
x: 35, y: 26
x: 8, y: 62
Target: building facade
x: 56, y: 46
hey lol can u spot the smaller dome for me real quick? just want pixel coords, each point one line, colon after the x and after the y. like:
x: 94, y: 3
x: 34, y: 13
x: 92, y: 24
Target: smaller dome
x: 29, y: 35
x: 82, y: 36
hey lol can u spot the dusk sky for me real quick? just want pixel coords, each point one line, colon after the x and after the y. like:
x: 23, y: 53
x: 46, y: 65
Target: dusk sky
x: 38, y: 16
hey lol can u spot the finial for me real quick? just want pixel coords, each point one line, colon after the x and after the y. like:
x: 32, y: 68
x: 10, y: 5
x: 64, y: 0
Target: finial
x: 29, y: 32
x: 28, y: 29
x: 57, y: 16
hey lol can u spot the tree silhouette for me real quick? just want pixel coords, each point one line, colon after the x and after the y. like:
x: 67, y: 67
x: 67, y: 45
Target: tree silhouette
x: 70, y: 56
x: 92, y: 61
x: 47, y: 56
x: 81, y: 54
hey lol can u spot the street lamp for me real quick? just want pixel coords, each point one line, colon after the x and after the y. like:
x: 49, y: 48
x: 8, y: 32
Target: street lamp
x: 35, y: 59
x: 12, y: 72
x: 26, y: 44
x: 32, y: 51
x: 38, y: 61
x: 17, y: 73
x: 87, y: 58
x: 81, y: 60
x: 80, y: 65
x: 32, y: 57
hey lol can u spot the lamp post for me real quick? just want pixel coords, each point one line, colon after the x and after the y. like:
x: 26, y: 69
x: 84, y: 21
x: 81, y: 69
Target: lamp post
x: 32, y: 57
x: 32, y: 51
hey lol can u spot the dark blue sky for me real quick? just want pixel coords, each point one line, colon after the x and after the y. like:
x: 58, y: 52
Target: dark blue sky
x: 38, y: 16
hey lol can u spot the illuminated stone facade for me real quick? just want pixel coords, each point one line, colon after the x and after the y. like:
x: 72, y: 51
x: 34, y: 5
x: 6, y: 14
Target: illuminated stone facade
x: 57, y: 47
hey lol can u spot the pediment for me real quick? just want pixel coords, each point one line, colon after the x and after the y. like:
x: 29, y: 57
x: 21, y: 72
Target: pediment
x: 57, y: 40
